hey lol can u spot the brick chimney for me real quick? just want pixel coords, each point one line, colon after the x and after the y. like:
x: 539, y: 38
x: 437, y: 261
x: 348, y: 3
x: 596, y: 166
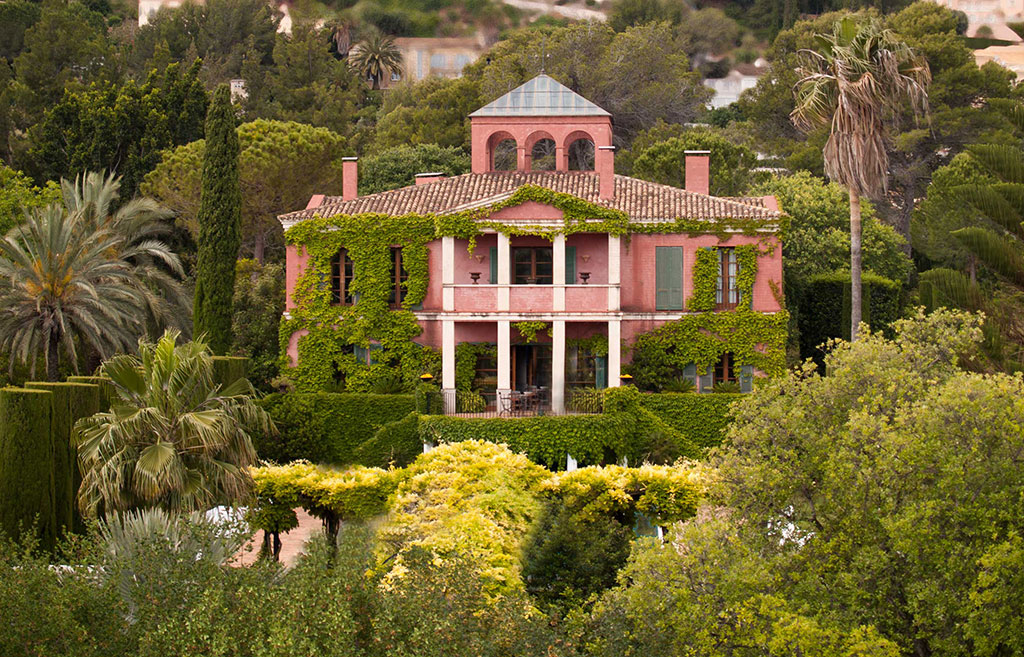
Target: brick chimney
x: 349, y: 178
x: 427, y: 178
x: 604, y: 164
x: 698, y: 171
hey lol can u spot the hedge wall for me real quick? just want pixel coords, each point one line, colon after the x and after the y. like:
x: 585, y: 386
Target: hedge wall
x: 70, y: 402
x: 825, y: 308
x: 106, y: 388
x: 26, y: 464
x: 326, y: 427
x: 702, y: 418
x: 396, y: 444
x: 228, y: 369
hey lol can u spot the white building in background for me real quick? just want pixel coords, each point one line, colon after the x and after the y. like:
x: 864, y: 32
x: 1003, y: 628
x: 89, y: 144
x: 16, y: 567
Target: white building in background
x: 993, y: 14
x: 443, y: 57
x: 740, y: 78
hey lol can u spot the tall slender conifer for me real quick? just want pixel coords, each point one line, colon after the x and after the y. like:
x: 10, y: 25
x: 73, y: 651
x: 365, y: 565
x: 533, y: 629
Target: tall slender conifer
x: 220, y: 225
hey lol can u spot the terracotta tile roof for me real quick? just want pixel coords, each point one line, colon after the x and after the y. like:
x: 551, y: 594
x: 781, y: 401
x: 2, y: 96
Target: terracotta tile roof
x: 640, y: 199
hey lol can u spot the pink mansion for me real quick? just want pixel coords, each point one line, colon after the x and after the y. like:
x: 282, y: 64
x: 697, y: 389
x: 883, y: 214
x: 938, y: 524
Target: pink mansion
x: 528, y: 266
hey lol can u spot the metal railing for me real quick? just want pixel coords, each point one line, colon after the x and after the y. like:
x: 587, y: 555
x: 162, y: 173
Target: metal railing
x: 515, y: 403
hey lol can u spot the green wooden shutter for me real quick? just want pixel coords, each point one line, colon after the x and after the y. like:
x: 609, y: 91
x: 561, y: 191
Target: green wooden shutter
x: 361, y: 354
x: 494, y: 265
x: 668, y: 267
x: 600, y: 372
x: 570, y: 265
x: 746, y: 378
x: 707, y: 381
x: 374, y: 348
x: 690, y: 374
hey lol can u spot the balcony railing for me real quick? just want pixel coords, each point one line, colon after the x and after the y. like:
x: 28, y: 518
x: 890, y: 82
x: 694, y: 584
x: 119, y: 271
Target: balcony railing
x: 515, y: 403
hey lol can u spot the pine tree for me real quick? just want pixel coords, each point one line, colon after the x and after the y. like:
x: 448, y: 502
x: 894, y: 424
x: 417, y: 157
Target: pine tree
x: 220, y: 225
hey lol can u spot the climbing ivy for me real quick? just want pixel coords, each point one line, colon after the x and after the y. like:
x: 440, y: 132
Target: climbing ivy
x: 325, y: 349
x: 753, y: 338
x: 746, y: 260
x: 595, y: 345
x: 529, y: 330
x: 466, y: 354
x: 705, y: 280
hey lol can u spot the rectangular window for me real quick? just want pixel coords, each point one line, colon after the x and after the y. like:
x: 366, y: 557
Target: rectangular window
x: 725, y: 369
x: 341, y: 278
x: 668, y: 265
x: 727, y: 296
x: 398, y: 279
x: 533, y: 266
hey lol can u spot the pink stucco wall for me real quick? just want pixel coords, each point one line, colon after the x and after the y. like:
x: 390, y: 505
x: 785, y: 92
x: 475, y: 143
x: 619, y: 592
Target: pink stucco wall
x: 595, y: 246
x: 295, y: 260
x: 487, y: 131
x: 638, y: 270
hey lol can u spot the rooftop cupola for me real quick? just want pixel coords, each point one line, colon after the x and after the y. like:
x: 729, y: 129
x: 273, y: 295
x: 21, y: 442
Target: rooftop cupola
x: 542, y: 126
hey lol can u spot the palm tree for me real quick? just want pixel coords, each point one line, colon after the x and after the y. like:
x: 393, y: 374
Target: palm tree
x: 142, y: 224
x: 377, y: 57
x: 59, y: 282
x: 173, y: 438
x: 861, y: 78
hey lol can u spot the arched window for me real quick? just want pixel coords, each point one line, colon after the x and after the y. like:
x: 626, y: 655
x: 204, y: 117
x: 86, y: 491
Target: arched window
x: 505, y: 156
x: 581, y: 155
x: 542, y: 155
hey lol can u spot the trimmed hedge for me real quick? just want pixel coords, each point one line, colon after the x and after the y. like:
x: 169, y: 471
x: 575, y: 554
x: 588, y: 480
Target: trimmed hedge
x: 825, y: 308
x: 702, y: 418
x: 106, y: 388
x: 228, y: 369
x: 26, y: 464
x: 326, y: 427
x: 70, y: 402
x: 544, y: 440
x: 396, y: 444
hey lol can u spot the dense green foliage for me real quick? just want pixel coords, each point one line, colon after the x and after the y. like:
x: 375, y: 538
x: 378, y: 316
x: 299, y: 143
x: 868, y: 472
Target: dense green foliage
x: 702, y: 418
x: 825, y: 308
x: 18, y: 195
x: 398, y: 166
x: 228, y: 369
x: 219, y: 220
x: 258, y: 305
x: 395, y: 444
x: 659, y: 155
x: 327, y: 427
x: 27, y: 466
x: 70, y: 401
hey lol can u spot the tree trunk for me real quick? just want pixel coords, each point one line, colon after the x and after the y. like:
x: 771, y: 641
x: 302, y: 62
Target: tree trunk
x: 855, y: 258
x: 52, y: 345
x: 259, y: 247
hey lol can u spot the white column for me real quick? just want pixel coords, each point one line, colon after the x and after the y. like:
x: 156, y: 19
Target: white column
x: 558, y: 366
x: 448, y: 364
x: 614, y: 272
x: 447, y: 273
x: 504, y: 357
x: 614, y: 352
x: 504, y: 267
x: 558, y: 253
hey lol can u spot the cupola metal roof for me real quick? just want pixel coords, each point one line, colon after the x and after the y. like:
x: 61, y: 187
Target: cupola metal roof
x: 541, y: 96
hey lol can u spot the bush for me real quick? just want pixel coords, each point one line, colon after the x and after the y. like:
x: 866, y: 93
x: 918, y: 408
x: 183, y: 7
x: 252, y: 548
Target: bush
x: 71, y: 401
x: 702, y: 419
x: 825, y: 308
x: 396, y: 444
x: 326, y: 427
x: 106, y: 388
x: 26, y: 465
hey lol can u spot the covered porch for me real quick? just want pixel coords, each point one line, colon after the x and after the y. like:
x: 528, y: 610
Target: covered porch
x: 518, y: 367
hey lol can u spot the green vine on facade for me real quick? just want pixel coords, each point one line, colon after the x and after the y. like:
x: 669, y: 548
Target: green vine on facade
x: 705, y: 280
x: 529, y: 330
x: 466, y: 355
x: 326, y: 350
x: 595, y: 345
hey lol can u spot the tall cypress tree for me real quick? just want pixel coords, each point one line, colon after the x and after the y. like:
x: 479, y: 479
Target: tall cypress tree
x: 220, y: 225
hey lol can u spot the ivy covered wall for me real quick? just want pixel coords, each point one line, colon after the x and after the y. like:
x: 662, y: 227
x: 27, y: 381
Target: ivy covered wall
x: 354, y: 347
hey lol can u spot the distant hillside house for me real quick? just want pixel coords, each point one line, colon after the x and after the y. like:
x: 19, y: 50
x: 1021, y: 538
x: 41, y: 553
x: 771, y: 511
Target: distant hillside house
x: 442, y: 57
x: 740, y: 78
x: 561, y: 241
x: 991, y: 14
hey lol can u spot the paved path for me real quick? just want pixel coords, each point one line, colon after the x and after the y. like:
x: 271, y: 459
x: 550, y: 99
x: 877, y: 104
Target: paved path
x: 292, y: 543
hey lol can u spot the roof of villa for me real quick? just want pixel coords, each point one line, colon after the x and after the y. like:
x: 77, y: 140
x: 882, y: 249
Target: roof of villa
x: 640, y: 199
x: 541, y: 96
